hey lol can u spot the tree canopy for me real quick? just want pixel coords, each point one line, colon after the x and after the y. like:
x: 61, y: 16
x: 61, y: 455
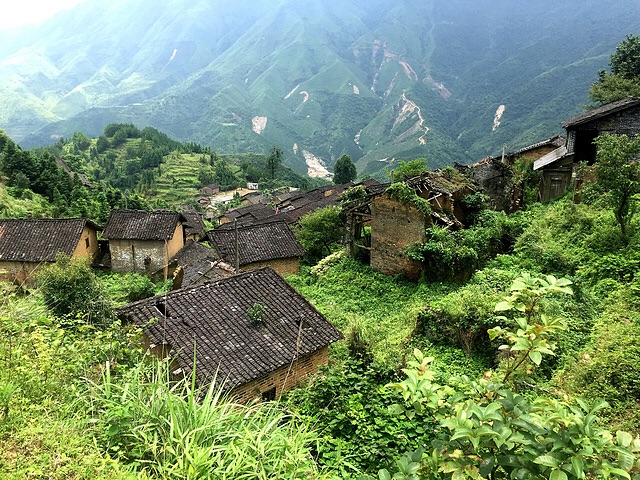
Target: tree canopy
x: 344, y: 170
x: 624, y: 79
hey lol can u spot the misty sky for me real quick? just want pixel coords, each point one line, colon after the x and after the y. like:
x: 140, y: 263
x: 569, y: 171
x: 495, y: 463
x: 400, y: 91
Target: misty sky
x: 24, y: 12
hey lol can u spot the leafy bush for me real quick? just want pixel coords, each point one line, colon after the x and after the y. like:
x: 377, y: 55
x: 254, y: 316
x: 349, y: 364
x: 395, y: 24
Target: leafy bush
x: 460, y: 318
x: 350, y: 412
x: 319, y: 231
x: 404, y: 194
x: 71, y: 291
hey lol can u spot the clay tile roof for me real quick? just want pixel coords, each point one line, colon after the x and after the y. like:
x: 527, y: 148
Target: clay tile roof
x: 602, y: 111
x: 256, y: 243
x: 200, y: 264
x: 141, y: 225
x: 194, y: 225
x: 40, y: 240
x: 212, y: 321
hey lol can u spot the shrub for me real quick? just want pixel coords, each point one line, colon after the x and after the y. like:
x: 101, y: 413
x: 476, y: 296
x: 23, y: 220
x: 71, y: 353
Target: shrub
x: 71, y: 291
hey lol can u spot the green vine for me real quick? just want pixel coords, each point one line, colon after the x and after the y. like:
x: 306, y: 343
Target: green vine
x: 405, y: 195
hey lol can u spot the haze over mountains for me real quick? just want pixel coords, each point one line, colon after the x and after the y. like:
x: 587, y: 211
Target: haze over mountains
x: 379, y: 80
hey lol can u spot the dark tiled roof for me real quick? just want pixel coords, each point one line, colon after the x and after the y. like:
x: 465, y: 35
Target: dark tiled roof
x: 212, y: 320
x: 256, y: 243
x: 602, y: 111
x: 141, y: 225
x: 194, y: 225
x: 199, y: 264
x: 40, y: 240
x: 252, y: 212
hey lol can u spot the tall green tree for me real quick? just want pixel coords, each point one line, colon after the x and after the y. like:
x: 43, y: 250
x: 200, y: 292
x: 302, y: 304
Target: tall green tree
x: 619, y: 175
x: 274, y: 160
x: 344, y: 170
x: 624, y: 79
x: 319, y: 230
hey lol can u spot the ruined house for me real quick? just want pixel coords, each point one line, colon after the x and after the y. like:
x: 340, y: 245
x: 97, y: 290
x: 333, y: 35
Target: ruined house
x: 252, y: 334
x: 143, y: 242
x: 27, y: 244
x: 384, y: 225
x: 558, y: 167
x: 494, y: 175
x: 270, y: 244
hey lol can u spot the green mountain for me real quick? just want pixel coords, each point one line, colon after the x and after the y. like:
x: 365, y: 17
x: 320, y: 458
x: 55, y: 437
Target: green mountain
x: 379, y: 80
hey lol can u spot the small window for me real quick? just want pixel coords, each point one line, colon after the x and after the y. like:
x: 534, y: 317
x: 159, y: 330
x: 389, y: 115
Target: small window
x: 86, y: 242
x: 269, y: 395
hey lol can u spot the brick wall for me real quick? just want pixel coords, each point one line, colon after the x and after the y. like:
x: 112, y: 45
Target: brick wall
x: 284, y: 266
x: 394, y: 226
x: 284, y: 378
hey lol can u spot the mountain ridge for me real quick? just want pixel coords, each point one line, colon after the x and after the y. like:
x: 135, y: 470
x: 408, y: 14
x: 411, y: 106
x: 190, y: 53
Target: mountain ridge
x: 362, y: 78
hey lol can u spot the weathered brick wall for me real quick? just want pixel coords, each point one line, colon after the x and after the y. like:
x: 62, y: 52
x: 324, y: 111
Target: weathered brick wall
x: 284, y: 378
x: 393, y: 226
x: 19, y: 272
x: 284, y: 266
x: 130, y: 255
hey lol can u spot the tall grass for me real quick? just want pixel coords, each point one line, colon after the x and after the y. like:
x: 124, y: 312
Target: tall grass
x: 173, y: 430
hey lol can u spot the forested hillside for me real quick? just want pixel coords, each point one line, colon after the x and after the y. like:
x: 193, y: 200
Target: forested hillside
x: 380, y: 81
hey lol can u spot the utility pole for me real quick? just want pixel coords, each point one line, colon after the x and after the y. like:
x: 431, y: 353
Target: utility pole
x: 235, y: 229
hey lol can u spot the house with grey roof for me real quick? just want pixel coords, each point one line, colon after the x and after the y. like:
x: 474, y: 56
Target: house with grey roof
x: 252, y: 334
x: 195, y: 264
x: 269, y: 244
x: 143, y: 242
x: 27, y: 243
x: 558, y: 167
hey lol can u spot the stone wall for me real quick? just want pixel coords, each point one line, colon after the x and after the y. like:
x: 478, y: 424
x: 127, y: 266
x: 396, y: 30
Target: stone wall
x: 144, y: 256
x: 284, y: 266
x: 394, y: 226
x: 284, y: 378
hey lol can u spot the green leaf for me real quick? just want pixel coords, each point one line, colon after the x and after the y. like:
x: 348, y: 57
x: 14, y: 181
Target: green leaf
x: 558, y: 475
x: 547, y: 461
x: 578, y: 466
x: 536, y: 357
x: 624, y: 438
x: 503, y: 306
x: 384, y: 474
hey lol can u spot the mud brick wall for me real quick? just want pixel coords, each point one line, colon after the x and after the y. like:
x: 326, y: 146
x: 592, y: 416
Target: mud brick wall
x: 284, y: 266
x: 282, y: 379
x: 394, y: 226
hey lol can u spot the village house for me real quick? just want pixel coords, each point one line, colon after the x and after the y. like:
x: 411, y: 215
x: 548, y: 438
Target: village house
x: 270, y: 244
x: 194, y: 228
x: 494, y: 174
x: 558, y: 168
x: 252, y: 334
x: 393, y: 224
x: 143, y: 242
x: 247, y: 215
x: 27, y: 244
x: 195, y: 264
x: 211, y: 189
